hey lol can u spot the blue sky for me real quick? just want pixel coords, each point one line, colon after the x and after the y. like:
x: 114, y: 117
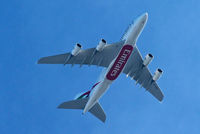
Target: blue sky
x: 30, y: 93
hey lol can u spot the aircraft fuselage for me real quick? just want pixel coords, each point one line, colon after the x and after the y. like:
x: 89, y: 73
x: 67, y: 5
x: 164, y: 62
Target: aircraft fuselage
x: 119, y: 63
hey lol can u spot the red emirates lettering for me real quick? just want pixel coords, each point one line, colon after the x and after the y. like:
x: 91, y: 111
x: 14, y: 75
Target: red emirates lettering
x: 120, y: 62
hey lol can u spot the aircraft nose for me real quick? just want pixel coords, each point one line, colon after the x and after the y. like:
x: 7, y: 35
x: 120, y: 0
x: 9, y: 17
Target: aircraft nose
x: 144, y: 17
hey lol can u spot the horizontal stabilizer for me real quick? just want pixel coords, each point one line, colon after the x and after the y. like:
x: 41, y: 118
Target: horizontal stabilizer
x: 74, y: 104
x: 96, y: 110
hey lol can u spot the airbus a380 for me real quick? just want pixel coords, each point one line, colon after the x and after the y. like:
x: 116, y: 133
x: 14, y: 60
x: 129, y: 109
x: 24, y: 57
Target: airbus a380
x: 119, y: 57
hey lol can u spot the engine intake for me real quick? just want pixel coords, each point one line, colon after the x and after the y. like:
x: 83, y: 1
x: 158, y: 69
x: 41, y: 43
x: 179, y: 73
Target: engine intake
x: 101, y: 45
x: 157, y: 74
x: 76, y: 49
x: 147, y: 59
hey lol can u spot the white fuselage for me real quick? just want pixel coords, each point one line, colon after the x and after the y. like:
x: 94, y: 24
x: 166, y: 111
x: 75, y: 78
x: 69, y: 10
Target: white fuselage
x: 118, y: 64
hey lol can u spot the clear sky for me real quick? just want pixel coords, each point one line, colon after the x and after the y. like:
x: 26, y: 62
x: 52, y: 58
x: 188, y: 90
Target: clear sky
x: 30, y: 93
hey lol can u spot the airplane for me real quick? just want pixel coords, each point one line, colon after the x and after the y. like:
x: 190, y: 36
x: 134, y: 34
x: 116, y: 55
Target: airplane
x: 122, y: 56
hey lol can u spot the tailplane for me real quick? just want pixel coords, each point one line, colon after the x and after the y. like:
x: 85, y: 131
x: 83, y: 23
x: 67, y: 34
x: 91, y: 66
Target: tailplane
x: 96, y: 110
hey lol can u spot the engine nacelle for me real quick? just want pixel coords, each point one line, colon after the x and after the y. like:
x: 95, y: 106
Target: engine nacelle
x: 147, y: 59
x: 76, y: 49
x: 101, y: 45
x: 157, y: 74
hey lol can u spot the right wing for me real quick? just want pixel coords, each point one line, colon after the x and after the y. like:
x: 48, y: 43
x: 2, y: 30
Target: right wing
x: 142, y: 75
x: 102, y: 58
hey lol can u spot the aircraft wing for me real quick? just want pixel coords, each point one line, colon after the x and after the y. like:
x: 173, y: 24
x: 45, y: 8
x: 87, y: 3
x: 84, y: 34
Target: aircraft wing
x: 86, y: 57
x: 133, y: 68
x: 142, y: 75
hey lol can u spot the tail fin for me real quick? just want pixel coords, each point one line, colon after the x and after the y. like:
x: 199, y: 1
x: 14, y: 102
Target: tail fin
x: 96, y: 110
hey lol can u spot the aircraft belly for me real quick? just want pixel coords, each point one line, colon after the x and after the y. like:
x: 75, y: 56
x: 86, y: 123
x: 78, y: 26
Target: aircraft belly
x: 119, y: 62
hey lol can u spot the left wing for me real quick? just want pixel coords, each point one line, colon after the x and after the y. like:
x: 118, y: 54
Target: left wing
x: 142, y: 75
x: 102, y: 58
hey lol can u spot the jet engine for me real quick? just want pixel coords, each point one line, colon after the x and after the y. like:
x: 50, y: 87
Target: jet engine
x: 147, y: 59
x: 76, y: 49
x: 101, y: 45
x: 157, y: 74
